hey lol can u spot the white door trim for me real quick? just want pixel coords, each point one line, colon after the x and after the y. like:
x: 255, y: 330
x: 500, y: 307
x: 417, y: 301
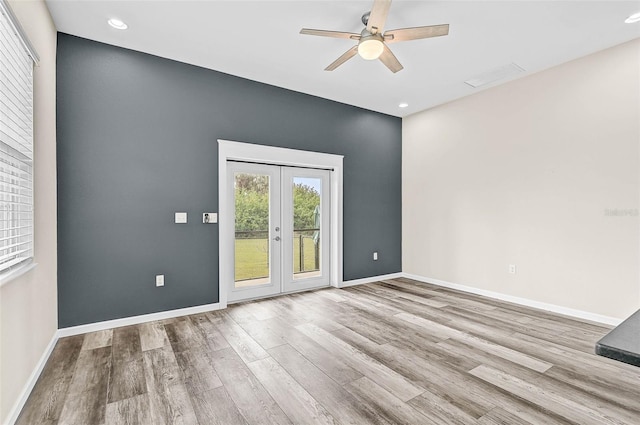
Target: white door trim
x: 230, y: 150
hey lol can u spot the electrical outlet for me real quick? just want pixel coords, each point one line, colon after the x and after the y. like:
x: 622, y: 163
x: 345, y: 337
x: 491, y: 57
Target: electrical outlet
x: 160, y: 280
x: 512, y: 268
x: 375, y: 256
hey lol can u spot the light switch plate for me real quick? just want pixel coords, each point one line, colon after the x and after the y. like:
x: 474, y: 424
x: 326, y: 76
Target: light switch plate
x: 209, y: 218
x: 181, y: 217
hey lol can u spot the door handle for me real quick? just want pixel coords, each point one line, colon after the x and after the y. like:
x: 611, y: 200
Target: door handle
x: 277, y: 238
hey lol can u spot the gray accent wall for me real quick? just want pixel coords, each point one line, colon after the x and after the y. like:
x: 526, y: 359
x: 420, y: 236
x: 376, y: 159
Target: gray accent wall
x: 137, y: 142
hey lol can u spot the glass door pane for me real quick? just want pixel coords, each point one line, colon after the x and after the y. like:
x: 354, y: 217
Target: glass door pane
x: 251, y: 229
x: 306, y: 228
x: 257, y: 237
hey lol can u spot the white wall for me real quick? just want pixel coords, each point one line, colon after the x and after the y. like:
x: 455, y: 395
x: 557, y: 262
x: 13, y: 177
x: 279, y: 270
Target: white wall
x: 524, y: 174
x: 28, y: 305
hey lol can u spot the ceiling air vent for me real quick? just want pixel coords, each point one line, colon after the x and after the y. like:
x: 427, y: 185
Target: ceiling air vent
x: 494, y: 75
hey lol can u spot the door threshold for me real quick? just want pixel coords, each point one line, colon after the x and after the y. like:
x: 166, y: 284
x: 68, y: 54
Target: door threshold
x: 278, y: 294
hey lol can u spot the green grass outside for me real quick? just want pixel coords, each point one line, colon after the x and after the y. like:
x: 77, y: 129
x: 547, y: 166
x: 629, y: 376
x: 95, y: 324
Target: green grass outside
x: 252, y: 257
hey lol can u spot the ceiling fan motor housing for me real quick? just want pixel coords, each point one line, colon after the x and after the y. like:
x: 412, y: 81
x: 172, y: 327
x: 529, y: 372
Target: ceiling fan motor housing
x: 365, y: 18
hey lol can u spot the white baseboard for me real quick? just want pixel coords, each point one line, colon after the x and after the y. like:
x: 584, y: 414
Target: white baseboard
x: 370, y: 279
x: 31, y: 382
x: 135, y: 320
x: 579, y: 314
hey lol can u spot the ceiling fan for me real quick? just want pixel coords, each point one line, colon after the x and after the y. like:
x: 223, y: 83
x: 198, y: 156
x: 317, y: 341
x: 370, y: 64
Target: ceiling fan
x: 372, y: 42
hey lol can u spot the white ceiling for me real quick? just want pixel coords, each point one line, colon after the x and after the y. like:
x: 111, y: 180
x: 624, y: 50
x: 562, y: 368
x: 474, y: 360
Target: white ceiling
x: 260, y: 40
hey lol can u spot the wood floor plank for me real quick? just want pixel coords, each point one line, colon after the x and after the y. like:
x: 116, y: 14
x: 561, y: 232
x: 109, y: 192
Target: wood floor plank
x: 92, y: 369
x: 385, y: 293
x: 46, y: 401
x: 87, y: 395
x: 324, y: 359
x: 607, y: 369
x: 265, y: 332
x: 168, y: 398
x: 373, y: 330
x: 152, y: 336
x: 87, y: 407
x: 197, y: 370
x: 373, y: 307
x: 440, y: 410
x: 97, y: 339
x: 130, y: 411
x: 439, y: 294
x: 431, y: 372
x: 495, y: 349
x: 342, y: 405
x: 246, y: 347
x: 294, y: 400
x: 215, y: 407
x: 387, y: 329
x: 332, y: 295
x: 317, y: 310
x: 499, y: 416
x: 529, y: 412
x: 126, y: 344
x: 126, y: 380
x: 183, y: 335
x: 364, y: 364
x: 616, y: 393
x: 553, y: 401
x: 209, y: 331
x: 127, y: 377
x: 246, y: 391
x: 260, y: 311
x: 387, y: 405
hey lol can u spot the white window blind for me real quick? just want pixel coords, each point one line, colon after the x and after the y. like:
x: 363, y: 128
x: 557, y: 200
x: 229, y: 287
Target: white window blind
x: 16, y: 144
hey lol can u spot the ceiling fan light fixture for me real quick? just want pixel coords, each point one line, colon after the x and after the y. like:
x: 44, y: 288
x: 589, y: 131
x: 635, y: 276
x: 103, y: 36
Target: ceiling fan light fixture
x: 633, y: 18
x: 370, y: 48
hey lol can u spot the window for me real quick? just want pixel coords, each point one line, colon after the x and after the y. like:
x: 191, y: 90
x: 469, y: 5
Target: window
x: 17, y: 59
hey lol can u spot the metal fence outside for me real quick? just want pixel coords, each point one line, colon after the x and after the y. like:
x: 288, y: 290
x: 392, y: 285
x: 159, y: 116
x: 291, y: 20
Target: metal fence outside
x: 301, y: 240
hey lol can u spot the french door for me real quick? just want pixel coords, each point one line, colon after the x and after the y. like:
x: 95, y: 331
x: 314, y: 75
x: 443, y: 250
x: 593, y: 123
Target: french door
x: 282, y: 229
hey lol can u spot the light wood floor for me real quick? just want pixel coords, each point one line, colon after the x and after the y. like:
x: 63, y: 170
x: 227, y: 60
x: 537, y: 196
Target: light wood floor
x: 392, y: 352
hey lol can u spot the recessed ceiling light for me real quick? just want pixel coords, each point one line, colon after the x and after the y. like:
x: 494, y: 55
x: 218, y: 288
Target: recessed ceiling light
x: 117, y: 24
x: 403, y: 105
x: 633, y: 18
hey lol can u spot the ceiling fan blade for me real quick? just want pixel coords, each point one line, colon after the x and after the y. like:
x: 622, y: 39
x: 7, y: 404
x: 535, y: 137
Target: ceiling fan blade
x: 406, y: 34
x: 342, y: 59
x: 378, y: 16
x: 334, y: 34
x: 389, y: 59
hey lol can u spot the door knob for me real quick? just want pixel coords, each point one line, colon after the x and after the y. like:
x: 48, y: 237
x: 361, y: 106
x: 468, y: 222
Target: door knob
x: 277, y: 238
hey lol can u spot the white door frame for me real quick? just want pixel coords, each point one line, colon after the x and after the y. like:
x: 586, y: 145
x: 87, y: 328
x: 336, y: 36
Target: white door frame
x: 230, y: 150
